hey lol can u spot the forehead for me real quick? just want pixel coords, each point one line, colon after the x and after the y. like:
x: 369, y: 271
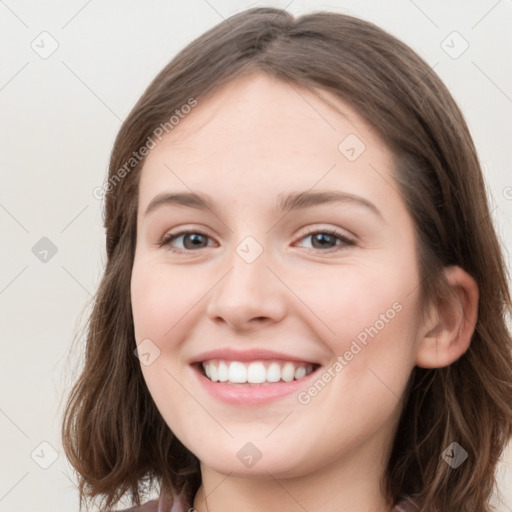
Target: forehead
x: 258, y: 134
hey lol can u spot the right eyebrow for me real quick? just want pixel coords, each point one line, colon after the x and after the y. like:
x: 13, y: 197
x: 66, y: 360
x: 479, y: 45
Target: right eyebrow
x: 190, y: 199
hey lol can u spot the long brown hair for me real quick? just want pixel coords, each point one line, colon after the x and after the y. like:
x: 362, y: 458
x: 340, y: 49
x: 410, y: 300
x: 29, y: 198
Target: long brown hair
x: 113, y: 434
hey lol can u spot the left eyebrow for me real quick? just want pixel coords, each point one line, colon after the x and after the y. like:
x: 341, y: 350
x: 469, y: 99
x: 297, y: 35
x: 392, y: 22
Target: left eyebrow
x: 305, y: 199
x: 285, y: 202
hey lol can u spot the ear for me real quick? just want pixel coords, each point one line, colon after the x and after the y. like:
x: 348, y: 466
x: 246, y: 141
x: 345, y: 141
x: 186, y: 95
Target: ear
x: 446, y: 335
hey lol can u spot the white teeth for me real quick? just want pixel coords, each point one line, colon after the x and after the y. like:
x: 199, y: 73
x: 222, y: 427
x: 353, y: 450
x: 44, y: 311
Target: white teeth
x: 237, y: 372
x: 288, y: 372
x: 214, y: 373
x: 223, y: 372
x: 274, y: 372
x: 255, y: 372
x: 300, y: 372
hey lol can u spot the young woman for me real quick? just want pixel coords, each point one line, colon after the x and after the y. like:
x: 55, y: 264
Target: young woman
x: 304, y: 304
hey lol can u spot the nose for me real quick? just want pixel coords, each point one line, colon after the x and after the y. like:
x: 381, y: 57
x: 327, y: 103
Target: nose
x: 249, y: 296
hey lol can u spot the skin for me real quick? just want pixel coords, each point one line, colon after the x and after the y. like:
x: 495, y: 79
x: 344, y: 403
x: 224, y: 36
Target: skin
x: 252, y: 140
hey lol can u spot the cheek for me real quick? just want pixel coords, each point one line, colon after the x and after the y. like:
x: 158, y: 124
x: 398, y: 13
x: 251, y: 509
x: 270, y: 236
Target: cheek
x: 370, y: 316
x: 359, y: 301
x: 161, y: 297
x: 374, y: 356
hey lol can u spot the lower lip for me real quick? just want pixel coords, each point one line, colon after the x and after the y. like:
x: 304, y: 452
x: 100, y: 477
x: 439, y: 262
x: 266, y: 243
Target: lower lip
x: 247, y: 394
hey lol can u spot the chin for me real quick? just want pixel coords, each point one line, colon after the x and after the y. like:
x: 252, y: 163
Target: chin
x: 249, y: 461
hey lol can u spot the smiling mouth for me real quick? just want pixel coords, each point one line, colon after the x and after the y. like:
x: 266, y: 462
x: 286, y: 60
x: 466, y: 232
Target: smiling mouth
x: 255, y: 372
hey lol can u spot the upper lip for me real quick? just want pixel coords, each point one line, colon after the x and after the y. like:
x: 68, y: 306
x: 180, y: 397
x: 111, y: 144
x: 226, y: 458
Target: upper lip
x: 255, y: 354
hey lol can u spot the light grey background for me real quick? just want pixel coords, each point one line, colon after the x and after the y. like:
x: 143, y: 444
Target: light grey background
x: 60, y: 114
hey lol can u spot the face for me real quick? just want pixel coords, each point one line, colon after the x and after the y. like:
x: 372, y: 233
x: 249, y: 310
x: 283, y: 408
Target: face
x: 278, y: 330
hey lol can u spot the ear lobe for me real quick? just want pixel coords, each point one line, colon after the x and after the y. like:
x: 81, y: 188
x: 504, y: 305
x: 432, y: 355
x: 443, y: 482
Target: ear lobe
x: 451, y: 324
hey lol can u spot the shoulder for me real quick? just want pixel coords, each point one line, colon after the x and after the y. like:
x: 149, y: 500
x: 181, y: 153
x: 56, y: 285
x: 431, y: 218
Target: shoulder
x: 150, y: 506
x: 160, y: 505
x: 405, y: 505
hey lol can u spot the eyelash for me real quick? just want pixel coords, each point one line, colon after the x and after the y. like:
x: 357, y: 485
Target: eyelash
x: 167, y: 239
